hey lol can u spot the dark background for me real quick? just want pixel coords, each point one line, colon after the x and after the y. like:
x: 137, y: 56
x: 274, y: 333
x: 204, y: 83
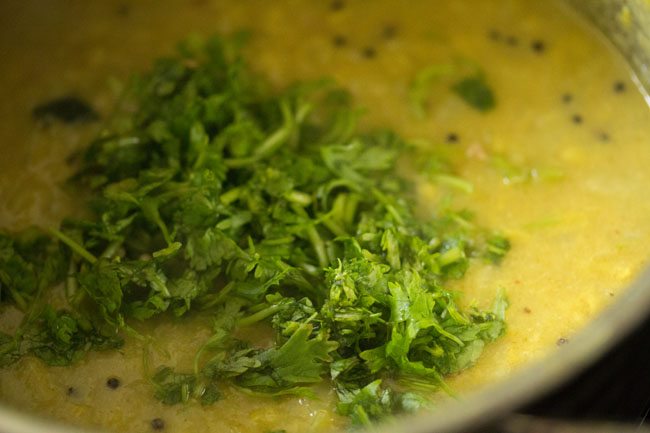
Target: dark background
x: 616, y: 388
x: 614, y: 394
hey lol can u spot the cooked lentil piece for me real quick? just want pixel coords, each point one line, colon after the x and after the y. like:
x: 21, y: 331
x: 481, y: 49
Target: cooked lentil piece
x: 562, y: 341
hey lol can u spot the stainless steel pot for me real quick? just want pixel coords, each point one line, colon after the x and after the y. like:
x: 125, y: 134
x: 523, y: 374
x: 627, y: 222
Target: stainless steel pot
x: 626, y: 23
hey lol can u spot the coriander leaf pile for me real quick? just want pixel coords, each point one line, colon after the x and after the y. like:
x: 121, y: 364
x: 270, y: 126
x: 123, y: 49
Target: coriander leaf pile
x: 210, y: 193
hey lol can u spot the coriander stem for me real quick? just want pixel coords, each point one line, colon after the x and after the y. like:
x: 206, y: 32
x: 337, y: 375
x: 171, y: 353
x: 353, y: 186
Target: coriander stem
x: 273, y: 142
x: 450, y: 256
x: 74, y: 245
x: 71, y: 281
x: 350, y: 211
x: 18, y: 299
x: 333, y: 226
x: 111, y: 249
x: 260, y: 315
x: 455, y: 182
x: 231, y: 195
x: 216, y: 299
x: 318, y: 244
x: 388, y: 205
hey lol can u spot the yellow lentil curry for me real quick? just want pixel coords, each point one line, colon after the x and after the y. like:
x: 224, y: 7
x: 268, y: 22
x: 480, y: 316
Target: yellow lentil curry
x: 559, y: 166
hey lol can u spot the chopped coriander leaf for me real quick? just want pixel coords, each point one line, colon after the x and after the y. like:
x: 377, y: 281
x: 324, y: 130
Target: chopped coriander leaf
x: 463, y: 76
x: 58, y: 338
x: 420, y: 88
x: 210, y: 192
x: 497, y: 247
x: 366, y: 404
x: 173, y: 388
x: 476, y: 92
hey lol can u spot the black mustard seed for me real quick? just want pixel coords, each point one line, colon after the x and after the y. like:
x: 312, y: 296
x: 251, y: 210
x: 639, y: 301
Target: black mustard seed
x: 619, y: 87
x: 567, y: 97
x: 123, y: 10
x: 577, y: 119
x: 389, y: 32
x: 339, y: 41
x: 495, y: 35
x: 369, y: 52
x: 452, y: 137
x: 157, y: 424
x: 538, y: 46
x: 337, y: 5
x: 113, y: 382
x: 604, y: 137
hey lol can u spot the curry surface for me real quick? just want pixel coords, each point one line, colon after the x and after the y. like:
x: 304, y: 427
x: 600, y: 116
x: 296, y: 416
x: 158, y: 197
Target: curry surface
x: 564, y: 177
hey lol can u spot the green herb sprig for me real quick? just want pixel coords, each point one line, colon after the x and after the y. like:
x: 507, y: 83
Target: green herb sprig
x: 210, y: 192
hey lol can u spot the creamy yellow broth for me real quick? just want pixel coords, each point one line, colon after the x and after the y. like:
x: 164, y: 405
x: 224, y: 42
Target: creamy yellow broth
x: 578, y: 218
